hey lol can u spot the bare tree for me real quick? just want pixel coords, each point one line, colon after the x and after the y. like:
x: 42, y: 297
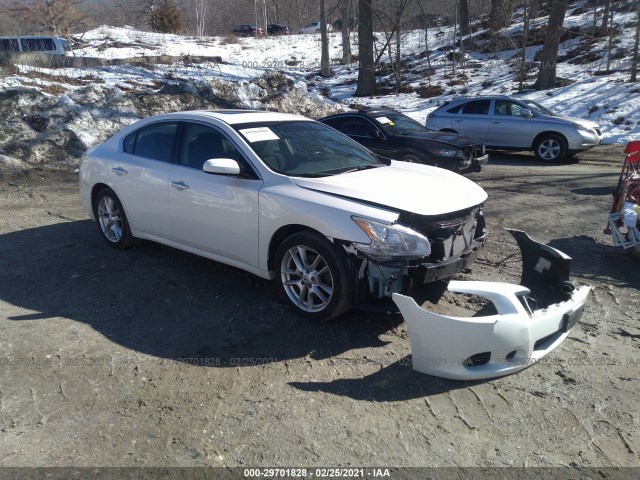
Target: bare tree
x: 200, y: 11
x: 325, y: 69
x: 634, y: 65
x: 463, y: 17
x: 346, y: 16
x: 57, y: 17
x: 534, y: 8
x: 525, y: 40
x: 366, y: 68
x: 547, y: 75
x: 500, y: 13
x: 605, y: 17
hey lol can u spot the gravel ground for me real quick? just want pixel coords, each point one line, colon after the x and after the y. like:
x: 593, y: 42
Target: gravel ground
x: 90, y: 340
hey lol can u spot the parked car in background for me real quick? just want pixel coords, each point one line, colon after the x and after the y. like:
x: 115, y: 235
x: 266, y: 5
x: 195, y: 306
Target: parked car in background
x: 35, y: 44
x: 277, y: 29
x: 391, y: 134
x: 285, y: 198
x: 337, y: 25
x: 507, y: 123
x: 314, y: 27
x: 247, y: 31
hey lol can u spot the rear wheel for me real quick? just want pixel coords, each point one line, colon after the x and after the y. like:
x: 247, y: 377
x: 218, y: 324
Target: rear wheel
x: 550, y: 148
x: 312, y: 277
x: 112, y: 220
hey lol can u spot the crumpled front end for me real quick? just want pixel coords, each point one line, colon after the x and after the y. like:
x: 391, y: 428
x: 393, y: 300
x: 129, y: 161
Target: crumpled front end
x: 531, y: 320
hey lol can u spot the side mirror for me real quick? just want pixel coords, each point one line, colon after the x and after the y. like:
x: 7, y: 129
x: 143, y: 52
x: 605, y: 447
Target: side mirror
x: 375, y: 134
x: 525, y: 112
x: 221, y: 166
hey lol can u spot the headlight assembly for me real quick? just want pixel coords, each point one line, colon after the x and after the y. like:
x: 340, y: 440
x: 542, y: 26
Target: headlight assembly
x: 391, y: 242
x: 584, y: 128
x: 444, y: 152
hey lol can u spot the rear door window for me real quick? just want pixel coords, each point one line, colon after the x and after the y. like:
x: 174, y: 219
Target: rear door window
x: 355, y: 126
x: 476, y: 107
x: 9, y: 45
x: 155, y: 141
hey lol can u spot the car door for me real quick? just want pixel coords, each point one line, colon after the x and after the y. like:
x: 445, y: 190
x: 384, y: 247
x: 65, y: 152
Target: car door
x: 473, y: 119
x: 507, y: 128
x: 215, y: 213
x: 362, y: 131
x: 140, y: 176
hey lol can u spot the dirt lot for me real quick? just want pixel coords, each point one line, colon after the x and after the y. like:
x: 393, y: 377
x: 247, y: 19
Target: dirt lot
x: 89, y: 339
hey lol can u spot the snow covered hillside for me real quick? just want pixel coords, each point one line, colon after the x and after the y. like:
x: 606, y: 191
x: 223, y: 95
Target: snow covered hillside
x: 54, y: 114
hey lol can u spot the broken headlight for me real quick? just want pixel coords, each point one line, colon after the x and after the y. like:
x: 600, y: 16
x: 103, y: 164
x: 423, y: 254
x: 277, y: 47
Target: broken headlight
x: 390, y: 242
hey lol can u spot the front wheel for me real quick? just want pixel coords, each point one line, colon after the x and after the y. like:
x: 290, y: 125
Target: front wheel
x: 312, y: 277
x: 550, y: 148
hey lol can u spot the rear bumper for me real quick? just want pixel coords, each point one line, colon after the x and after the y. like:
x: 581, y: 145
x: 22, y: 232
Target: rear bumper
x: 511, y: 340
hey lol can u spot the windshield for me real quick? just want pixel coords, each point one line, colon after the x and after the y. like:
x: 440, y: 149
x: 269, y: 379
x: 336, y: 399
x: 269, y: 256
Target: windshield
x: 536, y: 107
x: 399, y: 124
x: 306, y: 149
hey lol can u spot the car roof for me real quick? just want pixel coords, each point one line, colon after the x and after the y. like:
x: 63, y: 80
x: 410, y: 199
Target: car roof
x: 237, y: 117
x: 483, y: 97
x: 367, y: 112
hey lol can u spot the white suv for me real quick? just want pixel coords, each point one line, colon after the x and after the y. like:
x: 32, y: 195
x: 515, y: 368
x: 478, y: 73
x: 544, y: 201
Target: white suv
x: 506, y: 123
x: 285, y: 198
x: 41, y: 44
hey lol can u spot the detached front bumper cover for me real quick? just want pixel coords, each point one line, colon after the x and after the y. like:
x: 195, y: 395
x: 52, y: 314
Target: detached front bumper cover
x: 532, y: 320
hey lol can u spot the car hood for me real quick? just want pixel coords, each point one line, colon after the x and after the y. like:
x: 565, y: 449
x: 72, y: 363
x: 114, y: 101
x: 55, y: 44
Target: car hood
x: 409, y: 187
x: 581, y: 121
x: 449, y: 138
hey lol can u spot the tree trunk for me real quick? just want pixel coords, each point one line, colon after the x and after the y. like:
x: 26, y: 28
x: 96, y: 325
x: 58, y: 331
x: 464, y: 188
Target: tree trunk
x: 366, y: 70
x: 464, y: 17
x: 534, y: 9
x: 634, y: 65
x: 325, y: 69
x: 345, y: 13
x: 525, y: 39
x: 547, y: 74
x: 500, y: 13
x: 605, y: 18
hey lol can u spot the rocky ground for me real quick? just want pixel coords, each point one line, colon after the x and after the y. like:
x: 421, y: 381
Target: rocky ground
x: 154, y: 357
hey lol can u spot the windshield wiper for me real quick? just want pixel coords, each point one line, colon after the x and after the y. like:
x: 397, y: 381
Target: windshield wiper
x: 359, y: 168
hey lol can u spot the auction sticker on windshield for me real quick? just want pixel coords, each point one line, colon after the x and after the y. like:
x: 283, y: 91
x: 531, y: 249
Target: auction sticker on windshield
x: 259, y: 134
x: 384, y: 120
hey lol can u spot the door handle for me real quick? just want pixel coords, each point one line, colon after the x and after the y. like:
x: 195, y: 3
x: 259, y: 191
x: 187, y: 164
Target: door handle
x: 495, y: 121
x: 119, y: 171
x: 180, y: 185
x: 457, y: 120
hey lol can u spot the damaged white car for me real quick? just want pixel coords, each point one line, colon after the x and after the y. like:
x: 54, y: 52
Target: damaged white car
x: 285, y: 198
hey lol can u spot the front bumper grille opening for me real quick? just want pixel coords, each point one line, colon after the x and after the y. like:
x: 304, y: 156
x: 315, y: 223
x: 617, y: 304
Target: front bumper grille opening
x: 541, y: 344
x: 477, y: 359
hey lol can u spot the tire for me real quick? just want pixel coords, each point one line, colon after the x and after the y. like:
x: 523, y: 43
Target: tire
x: 111, y: 220
x: 321, y: 289
x: 550, y: 148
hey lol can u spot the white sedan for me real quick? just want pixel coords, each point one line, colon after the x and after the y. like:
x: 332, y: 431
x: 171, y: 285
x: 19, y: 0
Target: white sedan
x: 314, y: 27
x: 285, y: 198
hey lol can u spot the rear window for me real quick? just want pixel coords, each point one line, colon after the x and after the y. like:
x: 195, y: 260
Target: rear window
x: 37, y: 44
